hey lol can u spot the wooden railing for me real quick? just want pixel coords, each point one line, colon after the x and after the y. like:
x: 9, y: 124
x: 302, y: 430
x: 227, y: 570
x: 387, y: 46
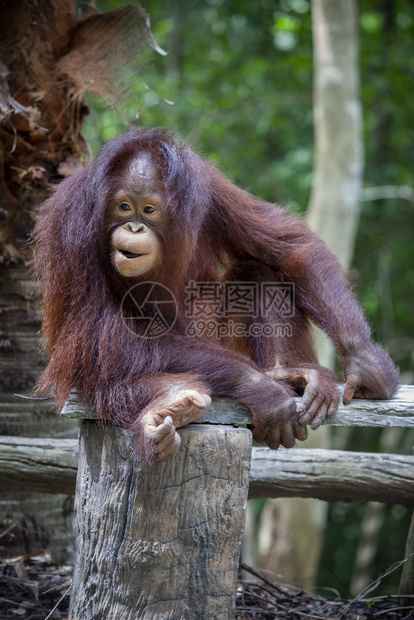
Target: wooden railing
x: 171, y: 532
x: 50, y: 465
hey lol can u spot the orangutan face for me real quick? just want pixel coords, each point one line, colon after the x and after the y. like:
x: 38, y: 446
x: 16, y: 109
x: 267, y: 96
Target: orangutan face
x: 140, y: 215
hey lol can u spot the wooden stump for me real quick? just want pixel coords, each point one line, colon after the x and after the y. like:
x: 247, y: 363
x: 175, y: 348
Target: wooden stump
x: 159, y: 541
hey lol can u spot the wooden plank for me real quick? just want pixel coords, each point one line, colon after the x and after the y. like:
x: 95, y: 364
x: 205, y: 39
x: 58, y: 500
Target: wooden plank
x: 49, y: 466
x: 222, y: 411
x: 44, y: 465
x: 398, y: 411
x: 332, y: 475
x: 163, y: 541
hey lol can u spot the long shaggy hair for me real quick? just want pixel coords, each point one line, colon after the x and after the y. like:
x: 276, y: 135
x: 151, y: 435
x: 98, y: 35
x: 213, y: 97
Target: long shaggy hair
x: 217, y: 231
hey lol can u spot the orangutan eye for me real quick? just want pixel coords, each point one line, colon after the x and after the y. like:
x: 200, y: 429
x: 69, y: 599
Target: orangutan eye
x: 124, y: 207
x: 149, y: 209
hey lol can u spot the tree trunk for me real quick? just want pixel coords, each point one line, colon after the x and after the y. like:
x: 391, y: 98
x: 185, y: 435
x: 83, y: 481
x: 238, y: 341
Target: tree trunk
x: 333, y: 210
x: 159, y: 541
x: 333, y: 214
x: 48, y: 59
x: 39, y: 142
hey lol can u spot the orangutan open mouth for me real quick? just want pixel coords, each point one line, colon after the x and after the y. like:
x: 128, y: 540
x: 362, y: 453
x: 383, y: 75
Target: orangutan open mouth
x: 128, y: 254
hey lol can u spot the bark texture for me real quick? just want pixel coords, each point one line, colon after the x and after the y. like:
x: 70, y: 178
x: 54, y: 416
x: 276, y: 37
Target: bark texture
x: 40, y: 142
x: 160, y: 541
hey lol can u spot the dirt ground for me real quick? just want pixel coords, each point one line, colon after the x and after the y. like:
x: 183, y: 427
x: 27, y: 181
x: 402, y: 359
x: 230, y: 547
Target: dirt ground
x: 33, y: 588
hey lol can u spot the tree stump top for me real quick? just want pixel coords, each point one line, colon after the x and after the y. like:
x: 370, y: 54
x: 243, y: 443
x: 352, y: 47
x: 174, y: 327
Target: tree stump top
x: 399, y: 411
x: 222, y: 411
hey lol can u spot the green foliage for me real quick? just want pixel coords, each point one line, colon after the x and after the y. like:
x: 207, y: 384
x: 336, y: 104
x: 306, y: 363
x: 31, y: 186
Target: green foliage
x: 384, y: 255
x: 343, y: 532
x: 237, y: 90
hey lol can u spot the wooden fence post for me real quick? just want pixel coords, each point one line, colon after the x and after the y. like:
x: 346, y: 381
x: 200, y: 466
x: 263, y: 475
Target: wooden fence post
x: 159, y: 541
x: 163, y: 542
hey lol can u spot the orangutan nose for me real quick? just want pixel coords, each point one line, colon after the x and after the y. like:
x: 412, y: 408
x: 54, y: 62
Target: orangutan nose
x: 136, y: 227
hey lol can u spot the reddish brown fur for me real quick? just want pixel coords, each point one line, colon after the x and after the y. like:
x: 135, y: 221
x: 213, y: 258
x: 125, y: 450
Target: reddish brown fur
x: 214, y: 225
